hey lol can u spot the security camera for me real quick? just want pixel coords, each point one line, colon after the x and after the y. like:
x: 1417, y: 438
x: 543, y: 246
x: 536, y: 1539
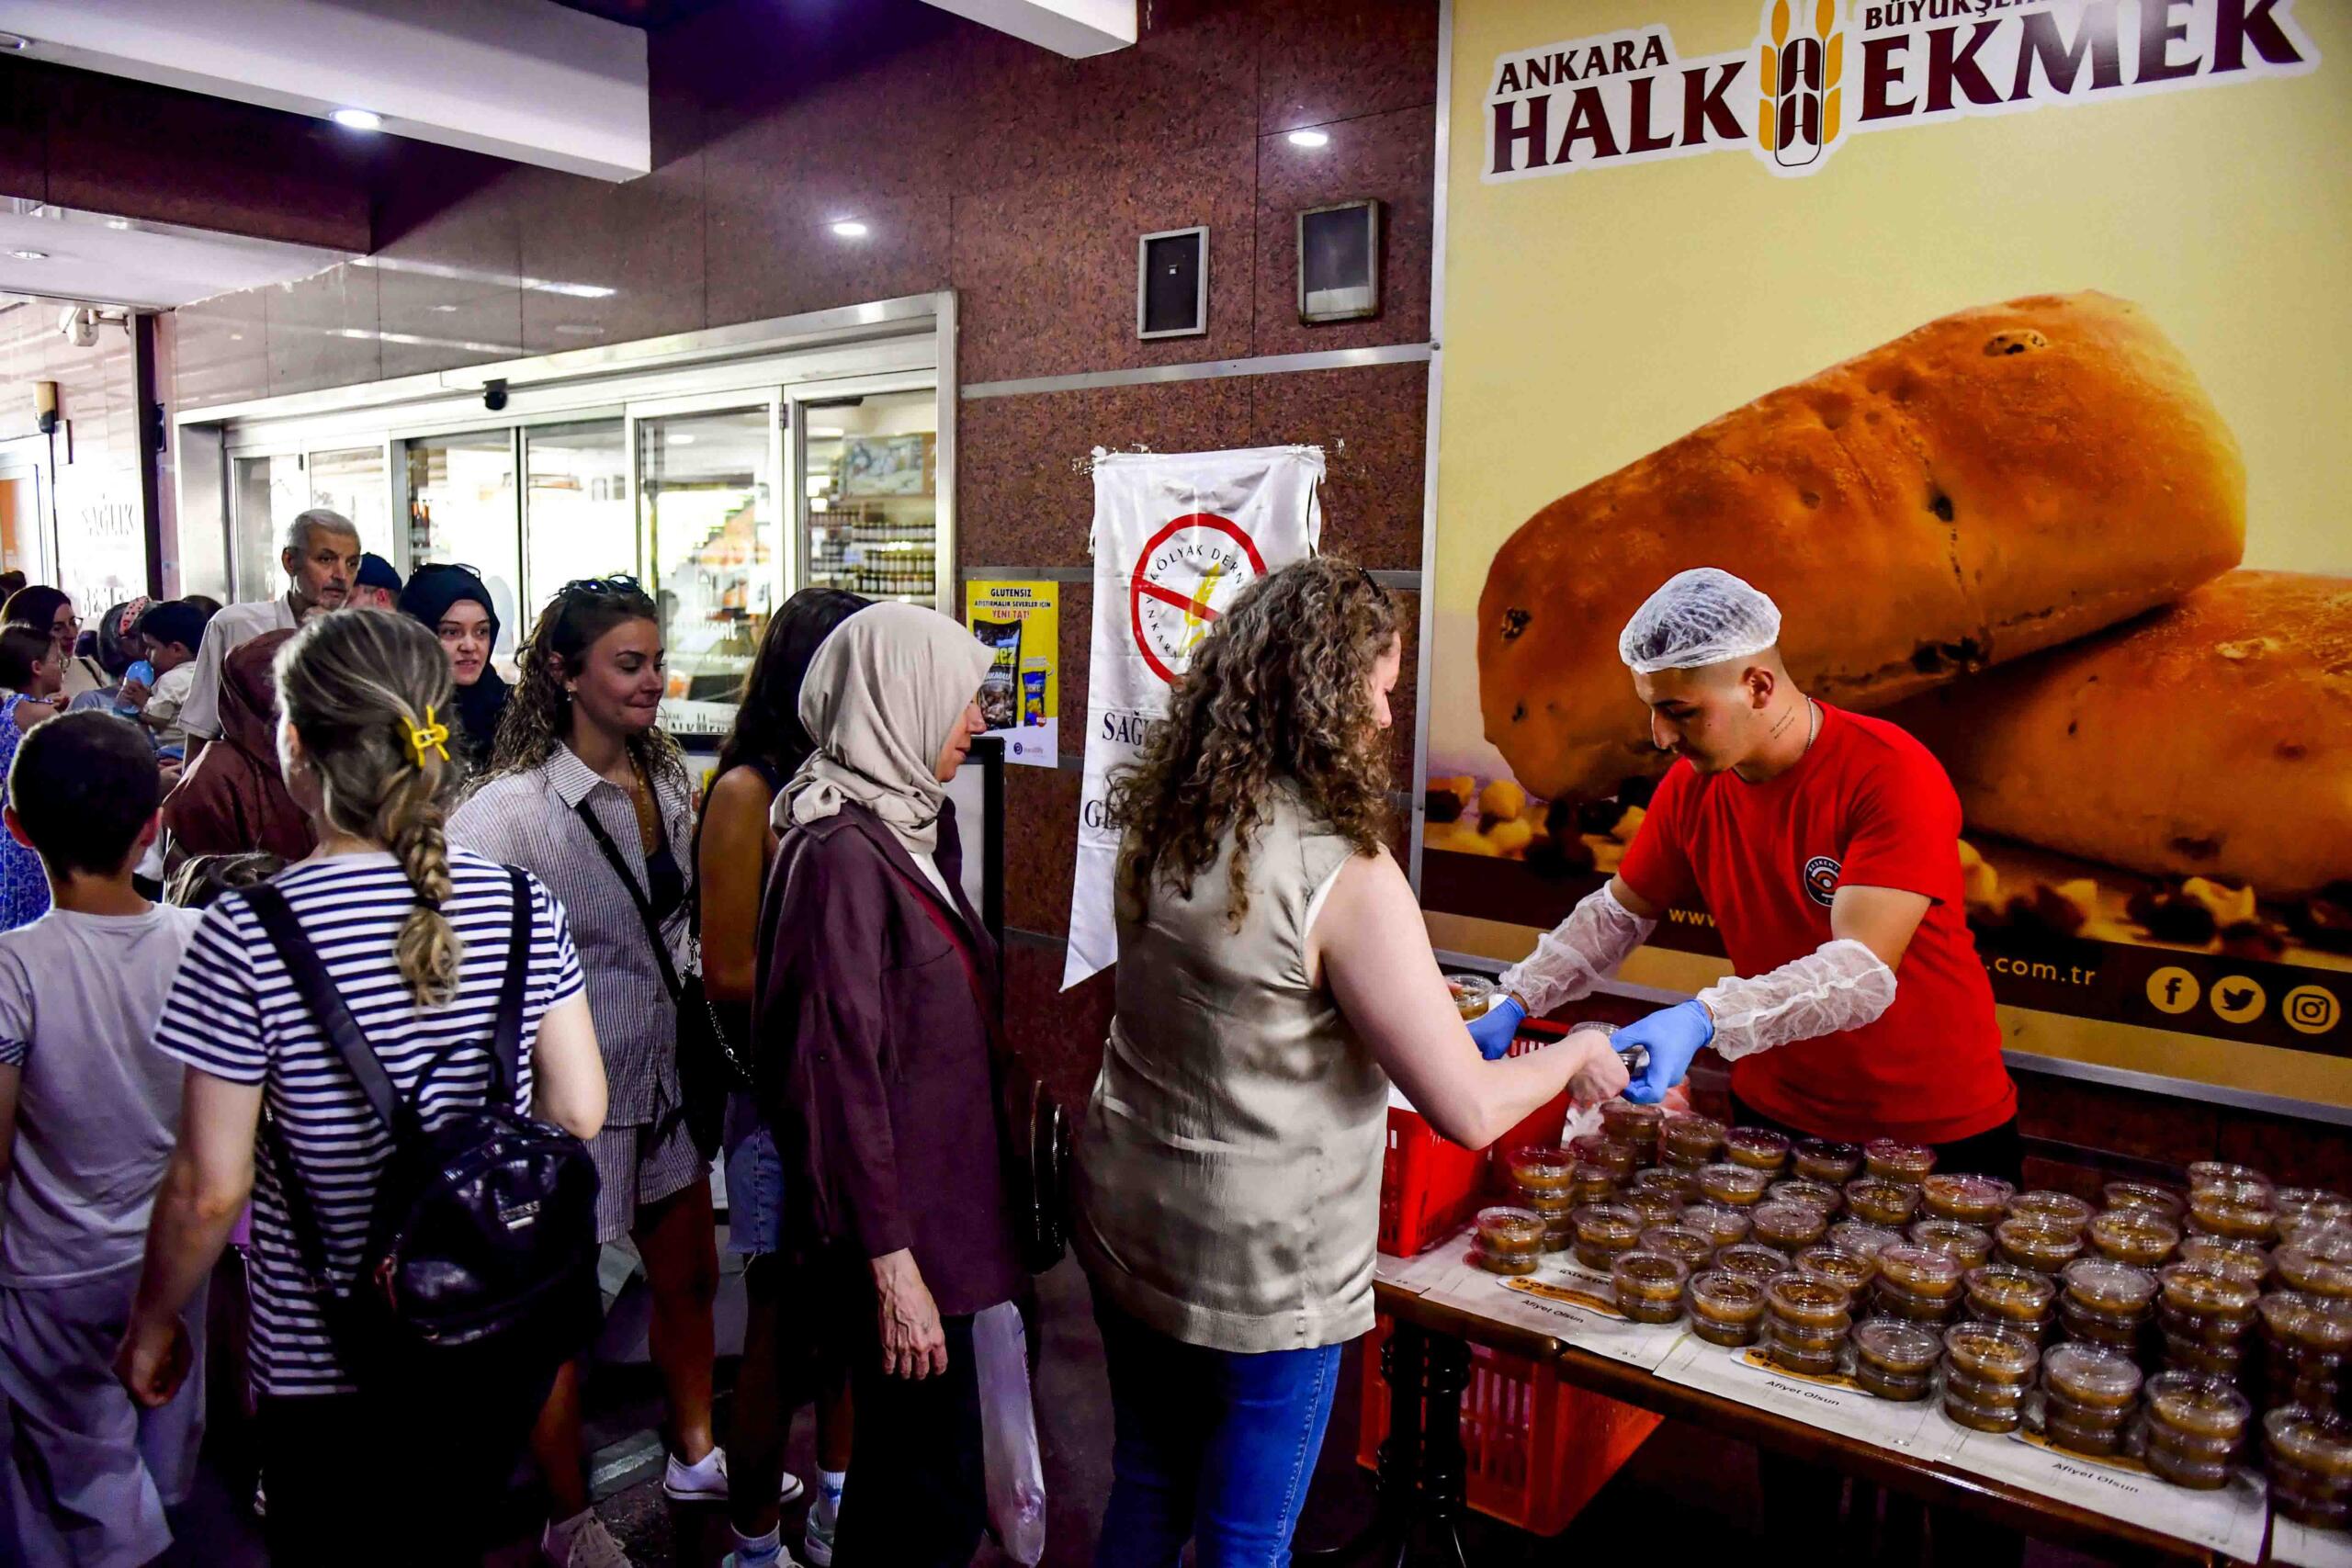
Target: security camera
x: 493, y: 396
x: 79, y: 326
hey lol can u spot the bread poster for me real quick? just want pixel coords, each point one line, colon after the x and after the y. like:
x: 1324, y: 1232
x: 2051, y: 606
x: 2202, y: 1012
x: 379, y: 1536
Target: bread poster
x: 2006, y: 345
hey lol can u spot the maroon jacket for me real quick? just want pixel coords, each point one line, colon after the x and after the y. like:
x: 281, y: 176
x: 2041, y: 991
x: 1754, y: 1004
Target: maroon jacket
x: 234, y: 801
x: 873, y: 1056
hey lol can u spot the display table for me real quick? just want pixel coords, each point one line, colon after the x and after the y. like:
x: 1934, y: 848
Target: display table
x: 1438, y: 1300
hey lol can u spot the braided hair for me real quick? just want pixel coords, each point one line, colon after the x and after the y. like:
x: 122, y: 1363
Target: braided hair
x: 364, y: 693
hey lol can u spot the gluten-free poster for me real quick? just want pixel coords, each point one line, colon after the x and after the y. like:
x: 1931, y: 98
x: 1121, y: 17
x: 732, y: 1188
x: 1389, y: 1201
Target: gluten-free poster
x: 1021, y: 696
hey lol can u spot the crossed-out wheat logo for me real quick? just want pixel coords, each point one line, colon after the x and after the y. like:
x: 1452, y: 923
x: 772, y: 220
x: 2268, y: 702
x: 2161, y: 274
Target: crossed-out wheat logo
x: 1820, y: 72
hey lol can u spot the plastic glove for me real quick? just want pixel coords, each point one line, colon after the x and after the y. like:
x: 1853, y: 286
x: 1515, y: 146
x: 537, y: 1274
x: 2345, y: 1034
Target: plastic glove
x: 1672, y: 1036
x: 1494, y: 1030
x: 1586, y: 947
x: 1839, y: 986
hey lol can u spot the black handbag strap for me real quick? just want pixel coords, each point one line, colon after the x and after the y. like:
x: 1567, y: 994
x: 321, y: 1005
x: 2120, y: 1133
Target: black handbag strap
x: 636, y: 896
x: 328, y: 1010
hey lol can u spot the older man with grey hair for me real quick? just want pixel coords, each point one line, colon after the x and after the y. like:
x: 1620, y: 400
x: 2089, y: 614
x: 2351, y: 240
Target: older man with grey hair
x: 321, y: 560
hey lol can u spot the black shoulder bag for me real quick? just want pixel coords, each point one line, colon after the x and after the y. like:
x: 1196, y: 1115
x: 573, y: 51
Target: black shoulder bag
x: 480, y: 1255
x: 708, y: 1069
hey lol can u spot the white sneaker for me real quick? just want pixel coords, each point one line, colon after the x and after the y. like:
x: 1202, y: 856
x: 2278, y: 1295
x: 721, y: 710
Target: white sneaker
x: 783, y: 1560
x: 817, y: 1540
x: 593, y: 1546
x: 707, y: 1482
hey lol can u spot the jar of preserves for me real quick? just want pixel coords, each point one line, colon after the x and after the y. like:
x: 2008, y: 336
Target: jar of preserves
x: 1964, y: 1196
x: 1649, y: 1286
x: 1605, y: 1231
x: 1875, y: 1201
x: 2042, y: 1245
x: 1726, y: 1308
x: 1827, y: 1161
x: 1789, y: 1227
x: 1892, y: 1160
x: 1722, y: 1223
x: 2139, y: 1236
x: 1756, y: 1148
x: 1742, y: 1186
x: 1971, y: 1245
x: 1689, y: 1141
x: 1850, y: 1271
x: 2054, y: 1209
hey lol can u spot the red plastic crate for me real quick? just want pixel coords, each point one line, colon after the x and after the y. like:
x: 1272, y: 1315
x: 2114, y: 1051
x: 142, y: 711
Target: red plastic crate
x: 1536, y: 1449
x: 1428, y: 1186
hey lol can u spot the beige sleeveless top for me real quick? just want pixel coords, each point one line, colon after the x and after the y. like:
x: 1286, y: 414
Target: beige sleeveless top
x: 1228, y: 1172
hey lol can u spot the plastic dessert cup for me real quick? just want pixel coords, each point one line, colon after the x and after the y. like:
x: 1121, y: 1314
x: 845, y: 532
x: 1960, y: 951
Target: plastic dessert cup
x: 1827, y: 1161
x: 1961, y: 1195
x: 1972, y: 1245
x: 1791, y: 1227
x: 1875, y: 1201
x: 1738, y: 1185
x: 1891, y: 1159
x: 2139, y: 1236
x: 1726, y: 1309
x: 1756, y: 1148
x: 1649, y: 1286
x: 2054, y: 1208
x: 1690, y: 1140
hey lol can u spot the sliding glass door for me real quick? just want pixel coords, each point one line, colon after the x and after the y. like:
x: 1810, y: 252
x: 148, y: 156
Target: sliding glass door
x: 715, y: 543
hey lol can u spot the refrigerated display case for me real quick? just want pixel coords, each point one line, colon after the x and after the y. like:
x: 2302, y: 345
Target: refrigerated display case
x: 870, y: 480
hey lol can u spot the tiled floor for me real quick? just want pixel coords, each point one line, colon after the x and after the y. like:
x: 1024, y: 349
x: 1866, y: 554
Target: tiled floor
x: 1683, y: 1477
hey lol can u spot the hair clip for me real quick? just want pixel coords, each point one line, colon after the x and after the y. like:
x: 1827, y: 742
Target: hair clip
x: 430, y: 734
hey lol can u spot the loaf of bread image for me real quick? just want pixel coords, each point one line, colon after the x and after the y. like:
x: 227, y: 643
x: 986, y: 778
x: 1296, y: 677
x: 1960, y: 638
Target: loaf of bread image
x: 2000, y: 480
x: 2211, y: 739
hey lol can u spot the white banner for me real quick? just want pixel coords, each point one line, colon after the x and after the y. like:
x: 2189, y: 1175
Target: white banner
x: 1176, y: 537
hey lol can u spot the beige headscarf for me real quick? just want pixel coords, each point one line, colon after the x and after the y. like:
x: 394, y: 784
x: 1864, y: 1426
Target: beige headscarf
x: 883, y: 693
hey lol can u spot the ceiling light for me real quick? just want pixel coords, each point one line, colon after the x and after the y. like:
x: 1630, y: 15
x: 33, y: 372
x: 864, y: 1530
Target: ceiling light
x: 117, y: 225
x: 29, y: 255
x: 446, y: 310
x: 358, y: 119
x: 579, y: 328
x: 850, y: 229
x: 14, y: 43
x: 678, y: 438
x: 576, y: 290
x: 1310, y: 139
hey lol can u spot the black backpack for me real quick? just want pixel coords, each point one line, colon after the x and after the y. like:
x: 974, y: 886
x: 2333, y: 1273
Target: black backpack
x: 482, y: 1248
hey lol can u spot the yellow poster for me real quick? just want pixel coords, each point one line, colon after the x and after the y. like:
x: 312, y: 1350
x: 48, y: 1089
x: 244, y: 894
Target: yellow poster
x: 2005, y: 343
x: 1020, y: 696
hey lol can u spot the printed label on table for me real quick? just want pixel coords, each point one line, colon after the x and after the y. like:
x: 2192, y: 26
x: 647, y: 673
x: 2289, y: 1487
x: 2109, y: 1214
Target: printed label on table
x: 1834, y: 1403
x: 1417, y: 1273
x: 2303, y: 1547
x: 1562, y: 1299
x: 2229, y: 1521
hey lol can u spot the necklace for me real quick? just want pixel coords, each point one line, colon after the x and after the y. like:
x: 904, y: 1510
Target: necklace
x: 1813, y: 728
x: 648, y: 819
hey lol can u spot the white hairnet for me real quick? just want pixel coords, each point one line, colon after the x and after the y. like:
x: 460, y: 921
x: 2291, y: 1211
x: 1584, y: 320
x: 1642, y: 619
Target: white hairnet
x: 1701, y: 616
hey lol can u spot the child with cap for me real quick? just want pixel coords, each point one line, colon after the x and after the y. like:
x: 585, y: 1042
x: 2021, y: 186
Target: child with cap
x: 377, y: 584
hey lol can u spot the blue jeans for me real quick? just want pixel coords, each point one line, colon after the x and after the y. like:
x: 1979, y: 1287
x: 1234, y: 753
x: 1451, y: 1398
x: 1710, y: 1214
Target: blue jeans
x: 1211, y: 1446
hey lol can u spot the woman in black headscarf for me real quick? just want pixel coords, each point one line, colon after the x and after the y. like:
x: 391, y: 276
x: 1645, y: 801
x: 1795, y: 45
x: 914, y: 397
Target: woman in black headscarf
x: 454, y: 603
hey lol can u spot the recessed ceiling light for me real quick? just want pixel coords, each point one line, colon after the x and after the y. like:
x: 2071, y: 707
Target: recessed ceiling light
x: 1310, y: 139
x: 446, y: 310
x: 576, y: 291
x: 679, y: 438
x: 29, y: 255
x: 117, y: 225
x: 358, y: 119
x: 850, y: 229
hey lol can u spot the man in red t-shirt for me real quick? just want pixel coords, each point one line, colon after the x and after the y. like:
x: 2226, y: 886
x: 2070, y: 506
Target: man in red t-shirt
x: 1824, y: 844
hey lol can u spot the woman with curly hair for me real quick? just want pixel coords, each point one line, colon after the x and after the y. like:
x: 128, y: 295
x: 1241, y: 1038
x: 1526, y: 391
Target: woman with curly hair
x: 1274, y: 977
x: 587, y: 792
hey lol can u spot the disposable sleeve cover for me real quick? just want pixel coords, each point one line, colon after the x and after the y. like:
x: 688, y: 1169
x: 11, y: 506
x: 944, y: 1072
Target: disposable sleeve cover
x: 1585, y: 948
x: 1840, y: 985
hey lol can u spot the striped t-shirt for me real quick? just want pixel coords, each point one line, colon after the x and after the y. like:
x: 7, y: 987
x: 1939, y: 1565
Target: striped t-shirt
x: 234, y: 1012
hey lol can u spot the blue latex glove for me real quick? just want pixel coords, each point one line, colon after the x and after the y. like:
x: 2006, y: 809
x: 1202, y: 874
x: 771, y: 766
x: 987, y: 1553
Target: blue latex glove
x: 1672, y: 1036
x: 1495, y: 1028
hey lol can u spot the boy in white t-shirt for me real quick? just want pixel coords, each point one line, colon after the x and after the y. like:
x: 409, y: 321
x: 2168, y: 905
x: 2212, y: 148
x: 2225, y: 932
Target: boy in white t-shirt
x: 89, y: 1111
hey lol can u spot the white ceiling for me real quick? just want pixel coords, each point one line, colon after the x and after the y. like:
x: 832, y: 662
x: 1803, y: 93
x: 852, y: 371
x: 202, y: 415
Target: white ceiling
x: 89, y: 257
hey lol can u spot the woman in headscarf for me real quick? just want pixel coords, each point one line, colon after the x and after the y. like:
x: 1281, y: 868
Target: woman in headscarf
x: 454, y: 605
x: 875, y: 996
x: 234, y: 798
x: 735, y: 843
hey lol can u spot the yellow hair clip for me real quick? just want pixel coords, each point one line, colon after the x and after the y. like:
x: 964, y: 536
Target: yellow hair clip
x: 431, y: 733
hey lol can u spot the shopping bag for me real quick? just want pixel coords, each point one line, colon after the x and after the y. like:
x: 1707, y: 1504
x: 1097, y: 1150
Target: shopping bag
x: 1015, y: 1470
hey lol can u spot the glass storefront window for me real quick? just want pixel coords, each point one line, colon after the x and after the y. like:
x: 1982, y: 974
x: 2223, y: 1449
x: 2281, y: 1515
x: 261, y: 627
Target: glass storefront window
x: 352, y: 482
x: 578, y: 519
x: 269, y: 492
x: 717, y: 548
x: 873, y: 489
x: 461, y: 508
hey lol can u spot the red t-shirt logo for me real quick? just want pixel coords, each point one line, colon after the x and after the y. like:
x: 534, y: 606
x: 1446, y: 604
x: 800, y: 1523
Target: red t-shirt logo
x: 1821, y: 879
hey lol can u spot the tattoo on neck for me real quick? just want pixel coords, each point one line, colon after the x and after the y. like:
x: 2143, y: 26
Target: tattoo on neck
x: 1786, y: 719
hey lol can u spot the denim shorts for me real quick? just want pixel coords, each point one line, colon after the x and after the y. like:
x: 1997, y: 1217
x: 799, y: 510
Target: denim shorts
x: 754, y: 1181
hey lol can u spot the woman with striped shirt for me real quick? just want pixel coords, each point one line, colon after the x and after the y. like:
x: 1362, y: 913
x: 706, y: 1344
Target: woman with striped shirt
x: 415, y: 939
